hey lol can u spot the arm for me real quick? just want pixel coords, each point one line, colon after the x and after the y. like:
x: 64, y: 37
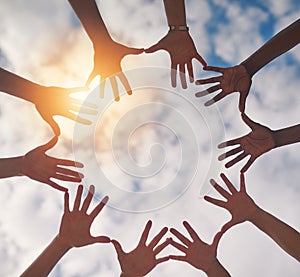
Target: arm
x: 107, y: 53
x: 277, y: 45
x: 287, y: 136
x: 198, y: 253
x: 242, y: 208
x: 178, y: 43
x: 41, y: 167
x: 239, y: 78
x: 74, y: 232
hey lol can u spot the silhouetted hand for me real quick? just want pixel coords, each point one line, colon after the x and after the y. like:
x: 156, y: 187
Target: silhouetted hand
x: 107, y: 62
x: 233, y: 79
x: 240, y: 205
x: 182, y: 51
x: 40, y: 167
x: 52, y: 101
x: 197, y: 253
x: 142, y: 259
x: 75, y: 225
x: 259, y: 141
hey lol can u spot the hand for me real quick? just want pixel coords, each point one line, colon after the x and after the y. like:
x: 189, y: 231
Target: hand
x: 182, y: 50
x: 141, y: 260
x: 75, y: 225
x: 197, y: 253
x: 107, y: 62
x: 233, y: 79
x: 57, y: 101
x: 259, y: 141
x: 40, y: 167
x: 240, y: 205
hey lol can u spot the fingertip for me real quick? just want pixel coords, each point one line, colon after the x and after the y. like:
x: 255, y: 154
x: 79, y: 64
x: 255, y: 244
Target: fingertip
x: 129, y: 92
x: 117, y: 99
x: 105, y: 199
x: 198, y: 82
x: 79, y: 164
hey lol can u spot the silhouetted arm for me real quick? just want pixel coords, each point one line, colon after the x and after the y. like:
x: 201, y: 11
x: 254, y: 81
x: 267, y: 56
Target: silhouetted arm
x: 107, y: 53
x: 10, y: 167
x: 178, y: 43
x: 74, y: 232
x: 242, y: 208
x: 277, y: 45
x: 287, y: 136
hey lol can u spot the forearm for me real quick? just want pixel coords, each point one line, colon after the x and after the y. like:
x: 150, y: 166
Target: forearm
x: 43, y: 265
x: 217, y: 270
x: 175, y: 12
x: 10, y: 167
x: 287, y: 136
x: 90, y: 18
x: 283, y: 234
x: 17, y: 86
x: 279, y: 44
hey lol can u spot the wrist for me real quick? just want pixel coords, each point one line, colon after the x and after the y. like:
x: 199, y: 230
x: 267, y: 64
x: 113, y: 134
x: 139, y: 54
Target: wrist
x: 62, y: 243
x: 181, y: 28
x: 216, y: 269
x: 255, y: 215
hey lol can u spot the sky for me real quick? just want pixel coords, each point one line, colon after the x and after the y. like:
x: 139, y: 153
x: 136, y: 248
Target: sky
x: 154, y: 151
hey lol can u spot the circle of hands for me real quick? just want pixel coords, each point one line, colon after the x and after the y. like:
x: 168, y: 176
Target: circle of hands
x: 76, y: 223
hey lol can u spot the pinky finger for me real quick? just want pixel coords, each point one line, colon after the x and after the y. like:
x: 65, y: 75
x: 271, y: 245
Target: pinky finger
x: 56, y: 186
x: 248, y: 164
x: 162, y: 259
x: 178, y: 258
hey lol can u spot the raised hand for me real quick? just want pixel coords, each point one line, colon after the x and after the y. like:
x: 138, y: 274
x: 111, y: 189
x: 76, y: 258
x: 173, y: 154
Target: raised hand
x: 198, y: 253
x: 107, y: 63
x: 240, y: 205
x: 76, y: 224
x: 40, y: 167
x: 141, y: 260
x: 233, y: 79
x: 57, y: 101
x: 259, y: 141
x: 182, y: 51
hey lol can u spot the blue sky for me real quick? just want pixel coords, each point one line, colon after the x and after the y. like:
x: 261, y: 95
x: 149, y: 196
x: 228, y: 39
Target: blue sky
x: 43, y: 42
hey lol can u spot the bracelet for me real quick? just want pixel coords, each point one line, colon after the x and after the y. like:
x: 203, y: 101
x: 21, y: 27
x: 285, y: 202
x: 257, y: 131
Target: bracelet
x: 178, y: 28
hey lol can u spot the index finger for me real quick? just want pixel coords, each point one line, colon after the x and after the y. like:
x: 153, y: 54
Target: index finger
x: 158, y: 237
x: 201, y: 60
x: 99, y: 207
x: 145, y: 233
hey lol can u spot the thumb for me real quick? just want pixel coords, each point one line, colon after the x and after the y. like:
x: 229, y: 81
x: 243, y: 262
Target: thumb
x: 118, y: 247
x: 101, y: 239
x: 227, y: 226
x: 54, y: 126
x: 154, y: 48
x: 92, y: 75
x: 134, y: 51
x: 242, y: 102
x: 49, y: 144
x: 253, y: 125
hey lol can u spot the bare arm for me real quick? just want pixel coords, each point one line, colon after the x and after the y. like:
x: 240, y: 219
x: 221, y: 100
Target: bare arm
x: 175, y: 12
x: 277, y: 45
x: 287, y: 135
x: 10, y: 167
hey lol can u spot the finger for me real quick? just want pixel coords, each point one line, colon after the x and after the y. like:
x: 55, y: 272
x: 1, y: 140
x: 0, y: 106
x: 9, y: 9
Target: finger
x: 214, y: 68
x: 209, y: 80
x: 161, y: 247
x: 229, y: 185
x: 220, y: 190
x: 69, y: 172
x: 230, y: 153
x: 201, y: 60
x: 227, y: 226
x: 213, y: 88
x: 114, y: 87
x: 215, y: 99
x: 253, y: 125
x: 92, y: 75
x: 99, y: 207
x: 201, y: 93
x: 66, y: 178
x: 145, y: 233
x: 189, y: 66
x: 134, y: 51
x: 66, y: 203
x: 125, y: 83
x: 242, y: 102
x: 236, y: 160
x: 162, y: 259
x: 173, y: 73
x: 158, y: 237
x: 178, y: 258
x: 84, y: 103
x: 191, y: 231
x: 88, y: 199
x: 56, y: 186
x: 216, y: 240
x: 101, y: 239
x: 214, y: 201
x: 229, y: 143
x: 78, y: 198
x: 118, y: 248
x: 242, y: 182
x: 77, y: 118
x: 179, y: 246
x: 181, y: 237
x: 182, y: 76
x: 64, y: 162
x: 102, y: 87
x: 82, y: 110
x: 49, y: 144
x: 248, y: 164
x: 54, y: 126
